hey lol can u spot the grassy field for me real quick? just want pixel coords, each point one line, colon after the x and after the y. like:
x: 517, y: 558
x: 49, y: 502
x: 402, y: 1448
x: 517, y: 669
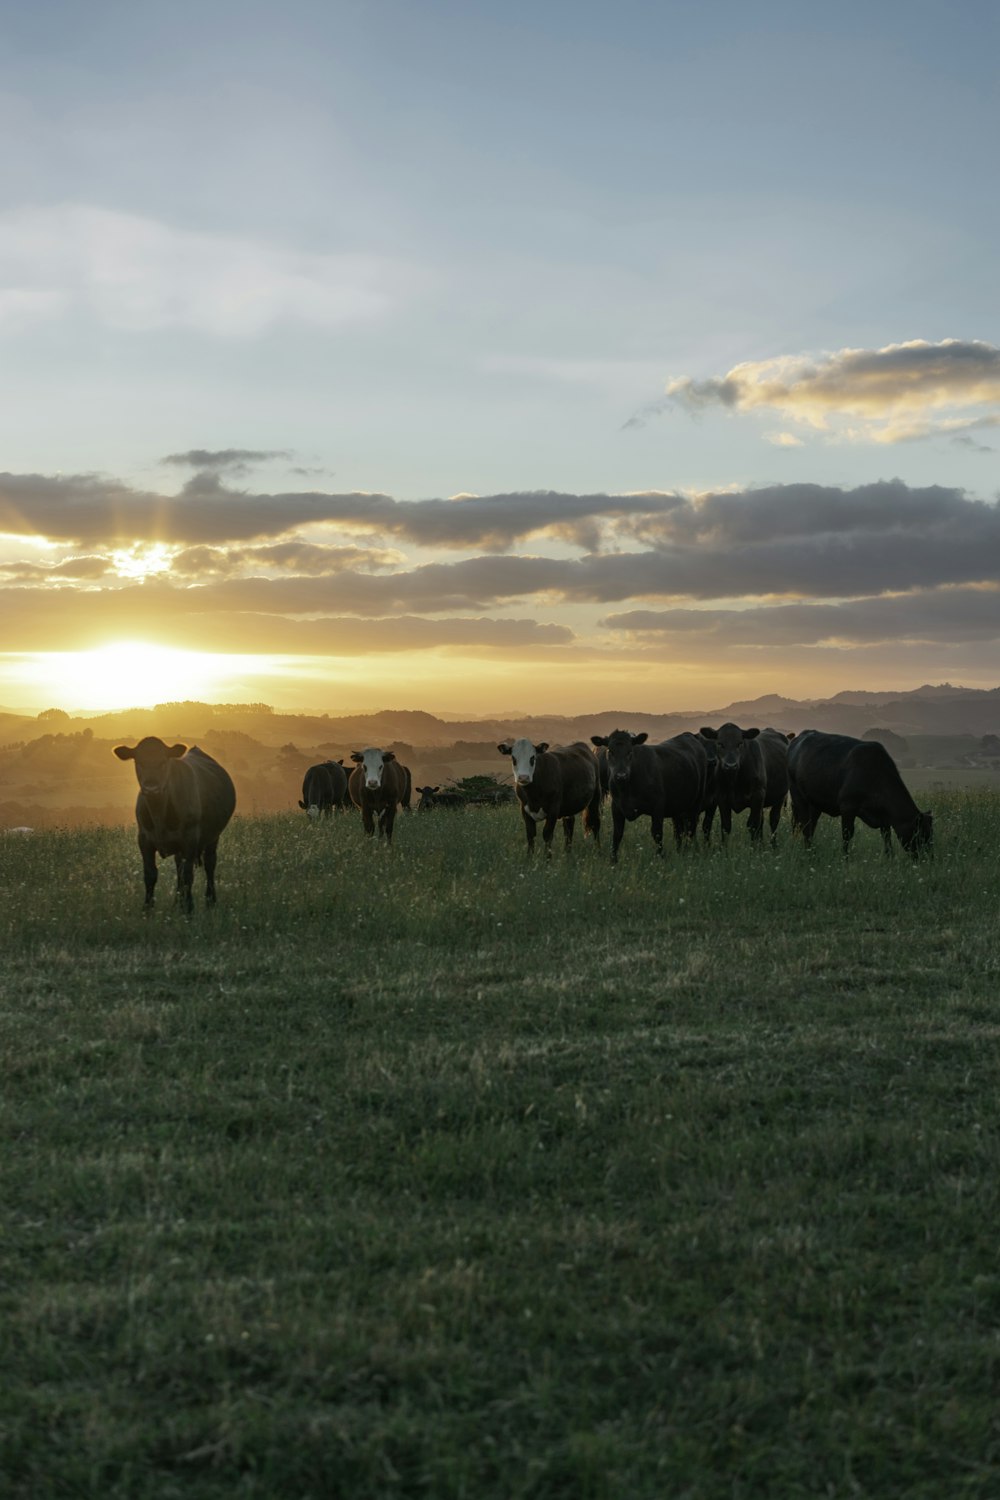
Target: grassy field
x: 436, y: 1173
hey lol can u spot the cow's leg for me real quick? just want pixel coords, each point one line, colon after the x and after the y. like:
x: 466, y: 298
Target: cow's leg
x: 368, y: 819
x: 617, y: 830
x: 847, y: 830
x: 209, y: 858
x: 592, y: 815
x: 886, y: 832
x: 149, y: 871
x: 529, y: 830
x: 725, y: 819
x: 707, y: 821
x: 774, y: 818
x: 548, y: 834
x: 185, y: 880
x: 755, y: 822
x: 388, y: 822
x: 656, y: 829
x: 568, y: 825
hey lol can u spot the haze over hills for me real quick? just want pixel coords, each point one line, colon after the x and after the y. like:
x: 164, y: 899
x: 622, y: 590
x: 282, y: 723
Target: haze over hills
x: 58, y: 769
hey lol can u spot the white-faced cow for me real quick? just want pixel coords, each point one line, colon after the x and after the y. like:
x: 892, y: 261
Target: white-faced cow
x: 554, y: 785
x: 655, y: 781
x: 432, y: 797
x: 324, y: 787
x: 847, y: 778
x: 185, y: 801
x: 751, y: 772
x: 378, y: 785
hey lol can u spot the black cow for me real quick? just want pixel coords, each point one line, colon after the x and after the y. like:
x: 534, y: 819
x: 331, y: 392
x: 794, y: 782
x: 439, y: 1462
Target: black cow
x: 433, y: 796
x: 378, y: 783
x: 324, y: 787
x: 185, y: 801
x: 710, y: 797
x: 655, y: 781
x: 555, y: 784
x: 848, y: 779
x: 751, y: 771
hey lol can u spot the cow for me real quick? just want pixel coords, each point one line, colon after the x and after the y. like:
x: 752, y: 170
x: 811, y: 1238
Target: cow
x: 433, y: 796
x: 185, y: 801
x: 378, y: 784
x: 710, y: 797
x: 555, y: 784
x: 324, y: 787
x: 660, y: 781
x: 751, y: 771
x: 847, y: 778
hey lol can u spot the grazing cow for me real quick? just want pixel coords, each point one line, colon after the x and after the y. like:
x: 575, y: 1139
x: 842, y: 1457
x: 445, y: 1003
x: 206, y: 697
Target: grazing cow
x: 433, y: 796
x: 657, y: 781
x: 185, y: 801
x: 848, y: 779
x: 751, y: 771
x: 324, y: 787
x: 378, y: 783
x: 555, y: 784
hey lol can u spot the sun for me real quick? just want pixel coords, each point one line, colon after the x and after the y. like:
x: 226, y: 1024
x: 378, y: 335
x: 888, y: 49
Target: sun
x: 133, y: 674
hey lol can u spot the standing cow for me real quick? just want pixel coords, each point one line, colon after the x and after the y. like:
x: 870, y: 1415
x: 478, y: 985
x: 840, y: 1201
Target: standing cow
x: 655, y: 781
x: 554, y: 785
x: 751, y: 772
x: 848, y: 779
x: 185, y: 801
x: 324, y: 787
x: 378, y: 784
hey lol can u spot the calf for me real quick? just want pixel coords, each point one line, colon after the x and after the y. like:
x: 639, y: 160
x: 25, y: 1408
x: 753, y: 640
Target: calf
x: 378, y: 783
x: 655, y: 781
x: 848, y: 779
x: 555, y: 784
x: 185, y: 801
x: 433, y: 796
x: 751, y: 771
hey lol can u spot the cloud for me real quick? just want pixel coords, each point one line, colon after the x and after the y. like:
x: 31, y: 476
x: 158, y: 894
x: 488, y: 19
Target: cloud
x: 93, y: 508
x: 235, y: 460
x: 297, y: 557
x: 895, y: 394
x: 940, y: 615
x: 139, y: 275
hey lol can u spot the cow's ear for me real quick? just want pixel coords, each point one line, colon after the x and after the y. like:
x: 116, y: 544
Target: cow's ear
x: 541, y: 749
x: 792, y: 735
x: 301, y: 803
x: 388, y: 755
x: 339, y: 762
x: 640, y: 739
x: 707, y: 734
x: 435, y: 789
x: 176, y: 751
x: 505, y: 749
x: 123, y: 752
x: 356, y: 755
x: 750, y: 734
x: 598, y: 739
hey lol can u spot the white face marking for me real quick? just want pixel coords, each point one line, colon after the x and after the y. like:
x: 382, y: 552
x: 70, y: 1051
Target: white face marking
x: 522, y: 753
x: 372, y: 763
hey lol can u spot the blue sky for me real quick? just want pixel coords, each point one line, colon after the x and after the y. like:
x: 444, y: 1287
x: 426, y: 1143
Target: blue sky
x: 431, y: 249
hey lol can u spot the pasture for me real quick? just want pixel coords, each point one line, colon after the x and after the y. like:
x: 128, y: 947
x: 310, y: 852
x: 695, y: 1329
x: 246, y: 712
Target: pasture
x: 433, y: 1172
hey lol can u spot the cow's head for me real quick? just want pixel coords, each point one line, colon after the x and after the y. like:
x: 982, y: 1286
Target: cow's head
x: 372, y: 763
x: 524, y: 756
x: 729, y: 742
x: 921, y: 840
x: 620, y: 745
x: 311, y: 809
x: 153, y: 760
x: 427, y: 795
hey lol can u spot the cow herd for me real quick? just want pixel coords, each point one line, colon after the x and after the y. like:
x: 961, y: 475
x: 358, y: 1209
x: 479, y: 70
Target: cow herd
x: 186, y: 798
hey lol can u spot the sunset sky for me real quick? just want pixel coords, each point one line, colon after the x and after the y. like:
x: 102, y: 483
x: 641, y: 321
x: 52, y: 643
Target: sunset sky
x: 550, y: 356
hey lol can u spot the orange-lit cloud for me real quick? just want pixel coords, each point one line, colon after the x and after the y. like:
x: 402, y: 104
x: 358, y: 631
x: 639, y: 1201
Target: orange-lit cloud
x: 895, y: 394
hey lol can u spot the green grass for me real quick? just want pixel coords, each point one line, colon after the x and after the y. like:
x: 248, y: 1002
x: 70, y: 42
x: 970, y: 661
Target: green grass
x: 433, y: 1172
